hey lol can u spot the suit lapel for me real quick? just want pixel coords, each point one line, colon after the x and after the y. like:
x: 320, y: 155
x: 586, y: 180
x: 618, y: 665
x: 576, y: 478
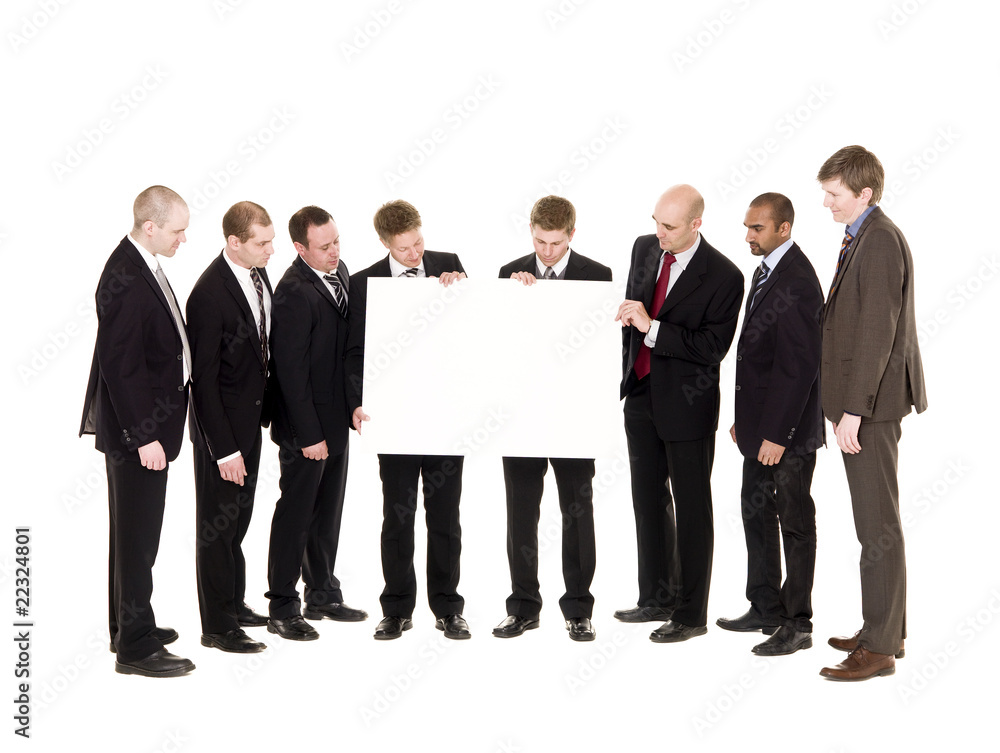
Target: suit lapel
x: 236, y: 291
x: 688, y: 281
x: 852, y: 250
x: 576, y: 267
x: 147, y: 274
x: 312, y: 278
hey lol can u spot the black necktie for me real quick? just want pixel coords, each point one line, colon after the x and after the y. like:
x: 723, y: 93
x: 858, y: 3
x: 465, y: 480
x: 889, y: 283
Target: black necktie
x: 760, y: 282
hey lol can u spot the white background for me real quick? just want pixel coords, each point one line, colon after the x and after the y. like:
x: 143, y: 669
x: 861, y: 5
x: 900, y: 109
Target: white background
x: 607, y: 104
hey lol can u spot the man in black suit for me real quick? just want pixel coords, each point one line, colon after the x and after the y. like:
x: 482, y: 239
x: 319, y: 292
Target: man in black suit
x: 778, y: 428
x: 670, y: 368
x: 553, y: 223
x: 229, y: 317
x: 399, y: 228
x: 135, y: 405
x: 310, y: 424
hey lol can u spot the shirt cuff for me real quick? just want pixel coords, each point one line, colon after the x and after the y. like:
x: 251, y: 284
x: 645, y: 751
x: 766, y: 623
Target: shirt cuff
x: 650, y: 339
x: 226, y: 459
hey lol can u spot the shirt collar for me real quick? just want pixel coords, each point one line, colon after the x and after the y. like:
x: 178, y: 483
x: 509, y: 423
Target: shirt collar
x: 684, y: 257
x: 774, y: 257
x: 854, y: 227
x: 559, y: 267
x: 396, y: 269
x: 242, y: 274
x: 147, y: 257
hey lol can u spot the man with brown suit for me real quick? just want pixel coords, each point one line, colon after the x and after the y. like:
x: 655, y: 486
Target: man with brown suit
x: 871, y: 375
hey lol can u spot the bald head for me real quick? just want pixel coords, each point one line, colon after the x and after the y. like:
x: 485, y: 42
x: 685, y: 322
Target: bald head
x: 155, y: 205
x: 678, y: 217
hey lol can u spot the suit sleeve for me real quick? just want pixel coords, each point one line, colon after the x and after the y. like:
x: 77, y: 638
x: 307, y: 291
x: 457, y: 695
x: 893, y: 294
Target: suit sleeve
x: 796, y: 360
x: 121, y: 352
x: 291, y: 334
x: 708, y: 344
x: 354, y: 356
x: 881, y: 296
x: 205, y: 337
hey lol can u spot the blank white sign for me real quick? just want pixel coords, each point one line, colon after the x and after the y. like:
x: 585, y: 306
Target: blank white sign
x: 492, y: 366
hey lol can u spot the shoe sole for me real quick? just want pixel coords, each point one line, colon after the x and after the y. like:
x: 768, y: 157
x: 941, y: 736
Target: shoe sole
x: 880, y: 673
x: 765, y: 629
x: 209, y: 643
x: 673, y: 638
x: 324, y: 616
x: 801, y: 647
x: 128, y: 669
x: 583, y: 638
x: 392, y: 636
x: 634, y: 620
x: 527, y: 626
x: 306, y: 637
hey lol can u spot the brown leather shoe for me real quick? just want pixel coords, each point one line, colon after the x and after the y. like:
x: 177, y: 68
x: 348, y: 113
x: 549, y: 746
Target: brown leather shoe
x: 849, y: 644
x: 861, y: 664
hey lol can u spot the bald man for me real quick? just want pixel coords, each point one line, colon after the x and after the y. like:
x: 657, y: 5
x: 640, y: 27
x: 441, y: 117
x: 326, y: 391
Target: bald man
x: 678, y: 321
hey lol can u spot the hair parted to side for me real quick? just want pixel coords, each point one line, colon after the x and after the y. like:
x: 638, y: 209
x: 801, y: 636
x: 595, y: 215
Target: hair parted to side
x: 395, y: 217
x: 305, y: 218
x: 154, y: 204
x: 240, y: 218
x: 553, y: 213
x: 779, y: 206
x: 858, y: 169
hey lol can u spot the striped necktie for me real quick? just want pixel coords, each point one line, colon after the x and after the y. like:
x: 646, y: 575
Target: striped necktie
x: 764, y: 270
x: 258, y: 285
x: 339, y: 296
x: 840, y: 261
x: 411, y: 272
x: 550, y: 274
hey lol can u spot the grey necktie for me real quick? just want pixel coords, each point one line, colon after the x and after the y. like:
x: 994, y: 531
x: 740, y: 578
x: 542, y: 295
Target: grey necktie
x: 161, y: 278
x: 550, y: 274
x: 411, y: 272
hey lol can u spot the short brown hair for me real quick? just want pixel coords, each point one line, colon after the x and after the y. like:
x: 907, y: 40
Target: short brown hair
x: 553, y: 213
x: 395, y: 217
x: 305, y: 218
x: 779, y: 206
x: 240, y: 219
x: 858, y: 169
x: 154, y: 204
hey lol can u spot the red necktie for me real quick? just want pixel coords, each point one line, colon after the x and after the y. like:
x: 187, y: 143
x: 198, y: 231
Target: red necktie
x: 642, y: 359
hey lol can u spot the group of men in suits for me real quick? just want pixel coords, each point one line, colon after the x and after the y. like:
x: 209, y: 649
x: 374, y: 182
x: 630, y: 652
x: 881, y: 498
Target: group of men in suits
x: 853, y: 358
x: 292, y: 358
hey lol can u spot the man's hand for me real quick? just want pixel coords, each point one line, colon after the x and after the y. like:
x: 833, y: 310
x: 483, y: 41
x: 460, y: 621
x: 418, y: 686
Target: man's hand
x: 633, y: 314
x: 770, y: 453
x: 233, y: 470
x: 732, y: 432
x: 358, y: 417
x: 316, y: 451
x: 847, y: 433
x: 526, y: 278
x: 449, y: 277
x: 152, y: 456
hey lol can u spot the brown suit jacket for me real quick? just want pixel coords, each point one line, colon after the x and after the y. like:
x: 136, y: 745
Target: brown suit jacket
x: 871, y: 361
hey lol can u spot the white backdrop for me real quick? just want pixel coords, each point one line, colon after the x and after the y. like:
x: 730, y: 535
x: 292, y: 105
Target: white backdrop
x: 471, y: 112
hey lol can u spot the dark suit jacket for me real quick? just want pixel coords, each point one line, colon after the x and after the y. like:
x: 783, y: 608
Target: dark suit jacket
x: 777, y: 360
x: 697, y: 324
x: 871, y: 360
x: 229, y: 379
x: 308, y: 341
x: 436, y: 263
x: 136, y: 393
x: 578, y: 267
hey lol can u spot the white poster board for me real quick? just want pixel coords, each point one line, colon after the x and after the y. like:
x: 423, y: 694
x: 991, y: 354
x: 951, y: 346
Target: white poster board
x: 492, y: 366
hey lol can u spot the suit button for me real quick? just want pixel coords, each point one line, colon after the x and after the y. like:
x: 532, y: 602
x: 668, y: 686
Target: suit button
x: 739, y: 358
x: 180, y: 357
x: 257, y: 403
x: 181, y: 388
x: 737, y: 388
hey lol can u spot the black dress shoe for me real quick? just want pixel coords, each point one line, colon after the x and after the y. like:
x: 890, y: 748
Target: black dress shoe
x: 785, y: 641
x: 454, y: 626
x: 234, y: 641
x: 514, y: 626
x: 580, y: 629
x: 675, y: 632
x: 338, y: 611
x: 293, y: 628
x: 747, y: 623
x: 246, y: 617
x: 163, y: 635
x: 643, y: 614
x: 160, y: 663
x: 392, y: 627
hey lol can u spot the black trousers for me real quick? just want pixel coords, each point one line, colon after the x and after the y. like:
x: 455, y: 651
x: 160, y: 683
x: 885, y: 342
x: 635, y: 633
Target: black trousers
x: 305, y: 532
x: 136, y: 498
x: 442, y: 487
x: 223, y: 517
x: 523, y: 479
x: 774, y: 497
x: 674, y: 523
